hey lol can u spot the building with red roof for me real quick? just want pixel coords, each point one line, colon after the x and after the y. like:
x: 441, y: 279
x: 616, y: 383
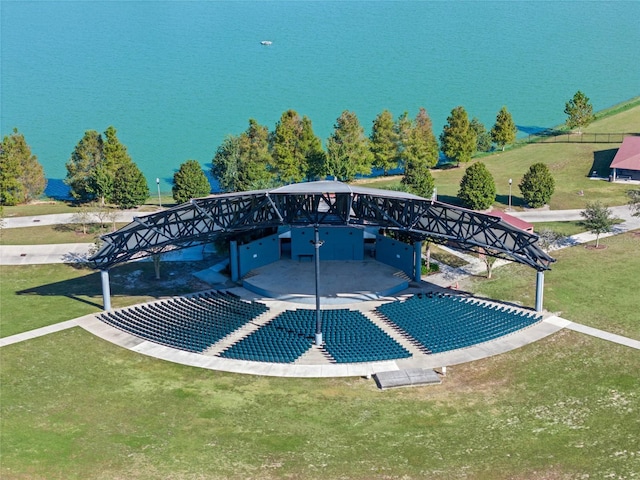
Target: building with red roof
x: 626, y: 164
x: 513, y: 221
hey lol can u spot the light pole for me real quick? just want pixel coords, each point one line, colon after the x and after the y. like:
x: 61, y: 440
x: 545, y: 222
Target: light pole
x: 159, y: 199
x: 317, y: 243
x: 510, y: 182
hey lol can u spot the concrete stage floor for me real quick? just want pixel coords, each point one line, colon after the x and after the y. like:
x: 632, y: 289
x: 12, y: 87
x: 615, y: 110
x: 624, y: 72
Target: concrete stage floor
x: 340, y: 281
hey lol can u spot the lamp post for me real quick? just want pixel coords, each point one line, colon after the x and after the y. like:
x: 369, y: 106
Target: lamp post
x: 317, y: 243
x: 510, y: 182
x: 159, y: 199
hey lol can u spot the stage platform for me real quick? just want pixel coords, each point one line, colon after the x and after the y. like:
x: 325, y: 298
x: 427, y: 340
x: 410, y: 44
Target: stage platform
x: 341, y: 282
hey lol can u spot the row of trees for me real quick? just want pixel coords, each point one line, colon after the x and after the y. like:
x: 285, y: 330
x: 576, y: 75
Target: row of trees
x: 101, y: 169
x: 478, y: 188
x: 292, y: 152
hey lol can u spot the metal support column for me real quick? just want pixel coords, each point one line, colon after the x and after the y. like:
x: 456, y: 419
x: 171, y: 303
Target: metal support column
x: 317, y: 244
x: 539, y: 290
x: 417, y: 263
x: 233, y: 261
x: 106, y: 290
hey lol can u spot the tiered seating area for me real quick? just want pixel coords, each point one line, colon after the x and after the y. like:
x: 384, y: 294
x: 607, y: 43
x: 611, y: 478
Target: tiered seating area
x: 349, y: 337
x: 438, y: 322
x: 190, y: 323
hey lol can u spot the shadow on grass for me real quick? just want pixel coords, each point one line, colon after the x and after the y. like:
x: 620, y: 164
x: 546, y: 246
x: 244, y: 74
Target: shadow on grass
x: 74, y: 289
x: 515, y: 201
x: 130, y: 280
x: 601, y: 162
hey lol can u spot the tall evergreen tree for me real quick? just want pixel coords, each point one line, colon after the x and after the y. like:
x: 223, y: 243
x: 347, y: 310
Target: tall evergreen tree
x: 226, y: 163
x: 483, y: 138
x: 115, y: 153
x: 289, y: 155
x: 86, y: 158
x: 21, y: 175
x: 348, y: 151
x: 579, y: 111
x: 504, y: 130
x: 384, y: 142
x: 537, y: 185
x: 421, y: 154
x: 458, y: 140
x: 130, y: 188
x: 242, y: 162
x: 403, y: 127
x: 477, y: 187
x: 315, y: 156
x: 190, y: 182
x: 255, y: 158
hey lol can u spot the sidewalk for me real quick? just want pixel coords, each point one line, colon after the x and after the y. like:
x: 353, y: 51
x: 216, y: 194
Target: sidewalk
x: 63, y: 219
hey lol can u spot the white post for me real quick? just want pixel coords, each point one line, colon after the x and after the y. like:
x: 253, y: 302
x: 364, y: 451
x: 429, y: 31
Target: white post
x: 510, y: 182
x: 159, y: 198
x: 106, y: 290
x: 539, y: 290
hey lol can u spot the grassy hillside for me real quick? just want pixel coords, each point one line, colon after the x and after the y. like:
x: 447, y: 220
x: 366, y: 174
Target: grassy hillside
x: 570, y: 163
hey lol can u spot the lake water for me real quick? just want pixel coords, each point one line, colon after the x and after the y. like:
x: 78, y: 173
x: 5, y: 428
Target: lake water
x: 175, y: 77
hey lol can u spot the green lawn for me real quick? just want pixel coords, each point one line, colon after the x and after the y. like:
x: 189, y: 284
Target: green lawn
x: 596, y: 287
x: 34, y: 296
x: 76, y: 407
x: 53, y: 234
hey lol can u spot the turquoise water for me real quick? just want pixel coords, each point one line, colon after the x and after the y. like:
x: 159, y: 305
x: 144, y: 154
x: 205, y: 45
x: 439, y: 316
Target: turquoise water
x: 175, y: 77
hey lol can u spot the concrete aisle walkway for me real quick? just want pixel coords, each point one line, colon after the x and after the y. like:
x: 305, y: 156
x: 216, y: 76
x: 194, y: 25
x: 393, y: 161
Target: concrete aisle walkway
x: 63, y: 219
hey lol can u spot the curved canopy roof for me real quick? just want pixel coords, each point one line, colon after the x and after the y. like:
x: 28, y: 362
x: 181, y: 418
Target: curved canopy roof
x: 318, y: 203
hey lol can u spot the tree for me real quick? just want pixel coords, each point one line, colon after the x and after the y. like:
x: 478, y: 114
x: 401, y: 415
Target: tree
x: 634, y: 202
x: 86, y: 158
x: 348, y: 151
x: 21, y: 175
x: 115, y: 153
x: 130, y: 188
x: 488, y: 260
x: 483, y: 138
x: 458, y: 140
x: 314, y: 154
x: 504, y: 130
x: 190, y: 182
x: 254, y: 168
x: 402, y: 128
x: 242, y: 162
x: 477, y: 187
x: 226, y: 162
x: 421, y: 154
x: 598, y: 219
x: 537, y: 185
x: 289, y: 159
x: 82, y: 217
x: 92, y: 168
x: 579, y: 111
x: 384, y: 142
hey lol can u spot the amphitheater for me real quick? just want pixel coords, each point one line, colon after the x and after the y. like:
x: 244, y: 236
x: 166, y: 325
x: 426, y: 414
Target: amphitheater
x: 324, y: 280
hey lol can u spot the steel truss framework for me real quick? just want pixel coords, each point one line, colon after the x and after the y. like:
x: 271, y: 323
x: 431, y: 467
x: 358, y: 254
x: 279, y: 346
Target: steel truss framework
x: 324, y: 203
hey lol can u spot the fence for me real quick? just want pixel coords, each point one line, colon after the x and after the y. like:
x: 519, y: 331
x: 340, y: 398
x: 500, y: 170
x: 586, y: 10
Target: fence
x: 556, y: 136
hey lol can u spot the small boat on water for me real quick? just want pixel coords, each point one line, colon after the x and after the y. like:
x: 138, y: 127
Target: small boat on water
x: 266, y: 42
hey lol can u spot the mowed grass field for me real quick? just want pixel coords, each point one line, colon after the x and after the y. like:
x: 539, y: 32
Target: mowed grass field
x: 73, y: 406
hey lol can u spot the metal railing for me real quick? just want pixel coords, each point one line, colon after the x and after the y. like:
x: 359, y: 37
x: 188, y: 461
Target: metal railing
x: 558, y: 136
